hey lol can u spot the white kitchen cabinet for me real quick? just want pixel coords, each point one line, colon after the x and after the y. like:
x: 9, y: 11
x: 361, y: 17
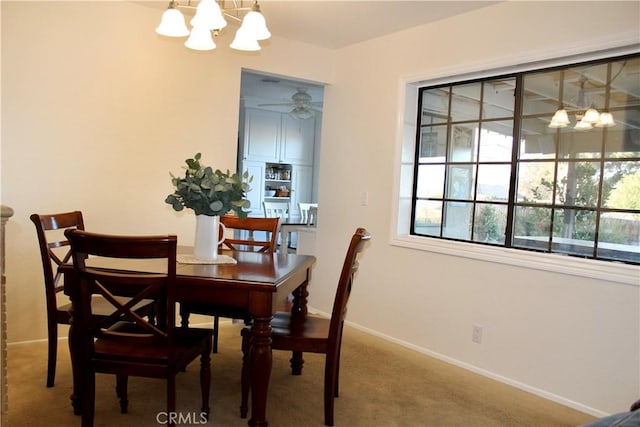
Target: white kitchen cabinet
x: 256, y: 195
x: 297, y: 142
x: 262, y: 135
x: 298, y: 179
x: 270, y: 136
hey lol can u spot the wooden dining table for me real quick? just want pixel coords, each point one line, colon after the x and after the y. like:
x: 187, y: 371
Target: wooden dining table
x: 255, y: 286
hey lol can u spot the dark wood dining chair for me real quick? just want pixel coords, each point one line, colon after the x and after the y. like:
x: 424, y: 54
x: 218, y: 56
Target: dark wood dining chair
x: 125, y: 344
x: 54, y: 252
x: 249, y: 227
x: 315, y: 335
x: 244, y: 239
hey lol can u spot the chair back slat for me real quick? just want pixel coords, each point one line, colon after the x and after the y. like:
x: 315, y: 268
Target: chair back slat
x: 248, y: 226
x: 277, y: 210
x: 124, y: 324
x: 312, y: 216
x: 50, y: 231
x: 345, y: 283
x: 308, y: 212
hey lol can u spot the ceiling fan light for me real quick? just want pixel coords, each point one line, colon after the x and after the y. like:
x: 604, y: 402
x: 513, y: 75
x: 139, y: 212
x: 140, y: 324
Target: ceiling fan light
x: 209, y: 15
x: 255, y: 24
x: 302, y: 113
x: 591, y: 115
x: 172, y: 24
x: 560, y: 119
x: 244, y: 41
x: 605, y: 121
x: 200, y: 39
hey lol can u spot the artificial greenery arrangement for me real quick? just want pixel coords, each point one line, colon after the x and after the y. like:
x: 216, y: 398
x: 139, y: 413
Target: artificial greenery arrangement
x: 209, y: 192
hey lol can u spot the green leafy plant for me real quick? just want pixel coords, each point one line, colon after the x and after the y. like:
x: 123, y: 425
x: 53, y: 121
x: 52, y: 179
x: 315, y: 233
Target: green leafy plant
x: 209, y: 192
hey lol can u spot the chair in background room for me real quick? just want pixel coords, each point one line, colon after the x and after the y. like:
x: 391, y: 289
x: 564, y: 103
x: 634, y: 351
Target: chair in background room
x: 276, y: 210
x: 244, y: 231
x: 312, y: 216
x: 308, y: 211
x: 306, y: 236
x: 280, y: 210
x: 131, y: 346
x: 54, y: 252
x: 316, y: 335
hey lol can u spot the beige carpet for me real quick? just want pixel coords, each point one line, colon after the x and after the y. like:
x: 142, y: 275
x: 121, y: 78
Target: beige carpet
x: 382, y: 385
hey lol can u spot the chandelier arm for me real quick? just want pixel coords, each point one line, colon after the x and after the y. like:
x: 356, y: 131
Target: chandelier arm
x: 228, y: 12
x: 235, y: 18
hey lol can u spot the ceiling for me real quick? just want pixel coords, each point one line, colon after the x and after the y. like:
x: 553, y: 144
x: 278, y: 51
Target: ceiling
x: 335, y: 24
x: 331, y: 24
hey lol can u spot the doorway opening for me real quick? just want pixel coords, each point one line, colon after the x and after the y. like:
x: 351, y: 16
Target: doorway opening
x: 279, y: 140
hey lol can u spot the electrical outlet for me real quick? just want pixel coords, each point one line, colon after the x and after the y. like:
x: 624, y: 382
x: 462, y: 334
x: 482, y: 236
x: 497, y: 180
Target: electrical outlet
x: 476, y: 335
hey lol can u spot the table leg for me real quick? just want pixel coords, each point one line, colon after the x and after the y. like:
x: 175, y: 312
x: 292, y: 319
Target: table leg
x: 76, y: 345
x: 298, y: 314
x: 261, y: 360
x: 76, y: 393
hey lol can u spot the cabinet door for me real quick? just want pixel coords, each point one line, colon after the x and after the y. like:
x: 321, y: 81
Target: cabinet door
x: 298, y: 137
x: 301, y: 184
x: 255, y: 196
x: 262, y: 135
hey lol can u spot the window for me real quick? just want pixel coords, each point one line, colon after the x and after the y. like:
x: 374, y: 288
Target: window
x: 497, y: 165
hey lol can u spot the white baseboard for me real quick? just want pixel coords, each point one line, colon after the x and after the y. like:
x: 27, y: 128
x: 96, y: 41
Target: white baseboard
x: 517, y: 384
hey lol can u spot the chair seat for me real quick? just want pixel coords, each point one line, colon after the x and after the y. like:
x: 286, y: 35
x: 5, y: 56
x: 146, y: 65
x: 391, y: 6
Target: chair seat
x: 312, y: 337
x: 188, y: 344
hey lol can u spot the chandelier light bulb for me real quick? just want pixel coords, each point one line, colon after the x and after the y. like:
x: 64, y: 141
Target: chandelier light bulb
x: 244, y: 41
x: 209, y: 15
x: 255, y: 25
x: 200, y: 39
x: 582, y: 125
x: 560, y: 119
x: 591, y: 115
x: 605, y: 121
x: 172, y: 24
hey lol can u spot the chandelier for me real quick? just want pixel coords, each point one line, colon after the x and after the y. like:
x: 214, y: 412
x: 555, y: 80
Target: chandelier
x: 586, y: 118
x: 209, y: 20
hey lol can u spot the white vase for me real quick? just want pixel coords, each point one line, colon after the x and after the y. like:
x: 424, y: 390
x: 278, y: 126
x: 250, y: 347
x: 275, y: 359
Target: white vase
x: 207, y: 237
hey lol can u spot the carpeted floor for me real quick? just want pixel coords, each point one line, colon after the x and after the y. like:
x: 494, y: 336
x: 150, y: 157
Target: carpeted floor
x: 382, y: 384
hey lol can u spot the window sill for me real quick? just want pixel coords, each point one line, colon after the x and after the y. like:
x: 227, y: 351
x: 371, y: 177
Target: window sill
x: 626, y: 274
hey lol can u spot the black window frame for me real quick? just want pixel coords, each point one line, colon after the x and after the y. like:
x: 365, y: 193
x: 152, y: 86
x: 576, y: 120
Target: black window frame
x: 511, y: 204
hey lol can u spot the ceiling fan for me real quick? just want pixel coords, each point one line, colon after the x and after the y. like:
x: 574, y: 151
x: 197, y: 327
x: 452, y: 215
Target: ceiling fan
x: 303, y: 105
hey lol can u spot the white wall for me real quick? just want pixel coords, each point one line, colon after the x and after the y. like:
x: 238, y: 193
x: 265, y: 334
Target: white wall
x: 573, y: 339
x: 97, y: 109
